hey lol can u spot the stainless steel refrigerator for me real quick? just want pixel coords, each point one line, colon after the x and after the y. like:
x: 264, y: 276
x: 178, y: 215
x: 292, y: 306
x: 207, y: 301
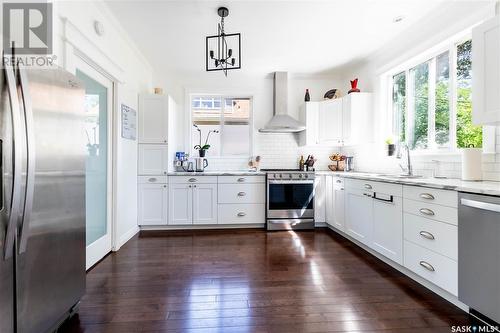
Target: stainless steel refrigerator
x: 42, y: 233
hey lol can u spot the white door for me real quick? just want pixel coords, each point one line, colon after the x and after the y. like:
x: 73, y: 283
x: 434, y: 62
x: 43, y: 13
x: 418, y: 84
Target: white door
x: 180, y: 204
x: 153, y: 202
x: 153, y: 159
x: 205, y: 204
x: 388, y: 227
x: 329, y: 204
x: 330, y: 122
x: 338, y: 204
x: 359, y: 216
x: 98, y: 184
x: 153, y: 119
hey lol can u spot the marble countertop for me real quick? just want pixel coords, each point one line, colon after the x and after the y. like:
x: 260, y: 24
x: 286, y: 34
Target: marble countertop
x: 479, y: 187
x: 219, y: 173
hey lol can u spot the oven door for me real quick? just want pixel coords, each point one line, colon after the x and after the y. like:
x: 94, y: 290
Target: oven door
x: 292, y: 199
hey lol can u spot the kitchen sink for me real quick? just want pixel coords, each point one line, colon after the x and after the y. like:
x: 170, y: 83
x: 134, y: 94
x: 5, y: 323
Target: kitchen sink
x: 402, y: 176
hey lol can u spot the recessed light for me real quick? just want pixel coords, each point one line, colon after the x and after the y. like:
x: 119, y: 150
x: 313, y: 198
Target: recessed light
x: 398, y: 19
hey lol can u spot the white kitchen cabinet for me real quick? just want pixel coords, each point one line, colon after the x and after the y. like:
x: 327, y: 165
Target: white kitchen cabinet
x: 330, y: 122
x: 204, y: 203
x: 359, y: 215
x: 486, y: 69
x: 329, y: 203
x: 387, y: 236
x: 338, y: 221
x: 152, y: 159
x: 320, y: 198
x: 152, y: 204
x: 357, y: 119
x: 309, y: 116
x: 153, y: 118
x: 180, y: 204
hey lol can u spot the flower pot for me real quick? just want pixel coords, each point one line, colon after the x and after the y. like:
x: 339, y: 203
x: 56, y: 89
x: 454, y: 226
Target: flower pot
x: 202, y: 152
x: 391, y: 148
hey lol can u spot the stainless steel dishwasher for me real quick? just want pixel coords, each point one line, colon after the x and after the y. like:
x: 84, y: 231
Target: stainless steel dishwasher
x: 479, y: 254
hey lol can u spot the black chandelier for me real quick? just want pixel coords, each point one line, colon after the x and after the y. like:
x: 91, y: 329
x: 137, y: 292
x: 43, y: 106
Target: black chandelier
x: 223, y: 51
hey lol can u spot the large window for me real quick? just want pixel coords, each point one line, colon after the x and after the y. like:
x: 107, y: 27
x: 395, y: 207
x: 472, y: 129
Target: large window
x: 228, y: 115
x: 431, y: 102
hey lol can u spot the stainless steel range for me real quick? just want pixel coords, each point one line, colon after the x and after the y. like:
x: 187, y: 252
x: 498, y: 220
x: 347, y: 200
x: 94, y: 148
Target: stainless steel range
x: 290, y: 200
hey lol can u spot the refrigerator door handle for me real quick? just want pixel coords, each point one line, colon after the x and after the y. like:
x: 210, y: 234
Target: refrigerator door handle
x: 17, y: 159
x: 30, y: 147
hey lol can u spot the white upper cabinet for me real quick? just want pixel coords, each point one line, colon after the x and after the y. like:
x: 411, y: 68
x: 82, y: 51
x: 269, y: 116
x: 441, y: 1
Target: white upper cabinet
x: 309, y: 116
x: 486, y: 69
x: 357, y: 119
x: 153, y: 160
x: 330, y: 122
x: 153, y: 119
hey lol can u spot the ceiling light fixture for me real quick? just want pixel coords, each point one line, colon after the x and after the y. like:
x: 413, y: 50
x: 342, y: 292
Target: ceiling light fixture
x: 223, y: 51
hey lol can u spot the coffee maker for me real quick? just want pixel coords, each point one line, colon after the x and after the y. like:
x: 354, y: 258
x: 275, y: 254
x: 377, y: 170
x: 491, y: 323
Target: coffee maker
x: 200, y: 164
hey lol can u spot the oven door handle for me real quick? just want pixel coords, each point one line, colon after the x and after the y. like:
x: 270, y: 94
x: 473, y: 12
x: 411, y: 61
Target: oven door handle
x: 291, y: 181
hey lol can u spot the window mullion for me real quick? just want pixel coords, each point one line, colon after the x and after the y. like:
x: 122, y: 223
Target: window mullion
x: 410, y: 107
x: 221, y: 126
x: 431, y: 106
x: 453, y: 97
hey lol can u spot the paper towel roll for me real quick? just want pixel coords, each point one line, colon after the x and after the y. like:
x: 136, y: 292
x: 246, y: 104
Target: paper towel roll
x: 472, y: 162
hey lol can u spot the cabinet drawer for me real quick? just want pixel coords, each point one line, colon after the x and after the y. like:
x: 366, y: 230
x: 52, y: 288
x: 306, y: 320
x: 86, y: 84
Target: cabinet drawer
x: 193, y: 179
x: 242, y: 193
x: 241, y: 179
x: 431, y: 211
x: 433, y: 235
x: 430, y: 195
x: 152, y: 179
x: 372, y: 186
x: 242, y: 213
x: 438, y: 269
x: 338, y: 182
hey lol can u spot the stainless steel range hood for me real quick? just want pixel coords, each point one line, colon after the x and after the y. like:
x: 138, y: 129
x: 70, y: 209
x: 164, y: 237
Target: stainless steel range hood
x: 281, y: 122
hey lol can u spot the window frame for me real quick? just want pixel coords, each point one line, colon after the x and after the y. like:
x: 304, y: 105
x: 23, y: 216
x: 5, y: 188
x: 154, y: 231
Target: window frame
x: 223, y: 96
x: 431, y: 55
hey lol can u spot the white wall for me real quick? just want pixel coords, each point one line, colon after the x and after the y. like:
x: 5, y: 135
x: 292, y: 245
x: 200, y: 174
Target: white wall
x: 434, y: 29
x: 276, y: 150
x: 120, y: 60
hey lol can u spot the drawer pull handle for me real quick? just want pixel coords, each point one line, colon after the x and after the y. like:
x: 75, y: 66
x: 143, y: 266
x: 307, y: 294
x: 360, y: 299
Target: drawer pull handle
x: 241, y: 194
x: 192, y: 180
x: 427, y: 235
x: 339, y: 181
x: 241, y: 214
x: 427, y: 196
x: 427, y: 266
x: 241, y: 180
x: 152, y: 180
x: 426, y: 211
x: 368, y: 186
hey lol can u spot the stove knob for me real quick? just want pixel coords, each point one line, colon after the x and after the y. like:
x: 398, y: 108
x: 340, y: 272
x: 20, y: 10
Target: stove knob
x: 290, y: 176
x: 306, y: 176
x: 280, y: 175
x: 300, y: 175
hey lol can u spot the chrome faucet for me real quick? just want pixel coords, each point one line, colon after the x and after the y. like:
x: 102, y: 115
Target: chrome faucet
x: 409, y: 169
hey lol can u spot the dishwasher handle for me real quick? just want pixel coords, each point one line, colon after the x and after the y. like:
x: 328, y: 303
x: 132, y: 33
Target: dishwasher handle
x: 480, y: 205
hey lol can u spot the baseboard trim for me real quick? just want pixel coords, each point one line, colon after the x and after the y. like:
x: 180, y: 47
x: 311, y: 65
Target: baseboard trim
x: 202, y: 227
x: 126, y: 237
x: 432, y: 287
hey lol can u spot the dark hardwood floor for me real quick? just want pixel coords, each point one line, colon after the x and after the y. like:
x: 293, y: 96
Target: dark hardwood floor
x: 254, y: 281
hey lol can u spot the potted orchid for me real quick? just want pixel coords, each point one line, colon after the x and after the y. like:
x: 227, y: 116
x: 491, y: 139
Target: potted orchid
x: 203, y: 148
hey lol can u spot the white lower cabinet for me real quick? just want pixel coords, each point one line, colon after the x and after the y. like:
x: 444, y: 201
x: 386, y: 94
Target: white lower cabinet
x: 180, y: 204
x: 387, y: 237
x: 204, y: 204
x: 242, y: 213
x: 438, y: 269
x: 320, y: 198
x: 334, y: 187
x: 152, y: 204
x: 359, y: 215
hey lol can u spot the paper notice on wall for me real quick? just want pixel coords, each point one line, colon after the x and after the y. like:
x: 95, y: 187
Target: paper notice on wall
x: 129, y: 122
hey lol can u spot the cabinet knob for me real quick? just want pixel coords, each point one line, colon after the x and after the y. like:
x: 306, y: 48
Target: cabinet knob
x: 241, y: 194
x: 426, y: 211
x: 241, y: 214
x: 164, y: 172
x: 427, y: 235
x: 427, y: 196
x: 427, y: 266
x: 165, y: 141
x: 165, y: 186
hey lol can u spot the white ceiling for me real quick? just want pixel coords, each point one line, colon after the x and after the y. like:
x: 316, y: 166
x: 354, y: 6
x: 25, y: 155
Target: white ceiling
x: 310, y: 37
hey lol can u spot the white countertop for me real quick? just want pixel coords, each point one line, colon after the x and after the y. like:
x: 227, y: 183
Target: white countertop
x: 479, y: 187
